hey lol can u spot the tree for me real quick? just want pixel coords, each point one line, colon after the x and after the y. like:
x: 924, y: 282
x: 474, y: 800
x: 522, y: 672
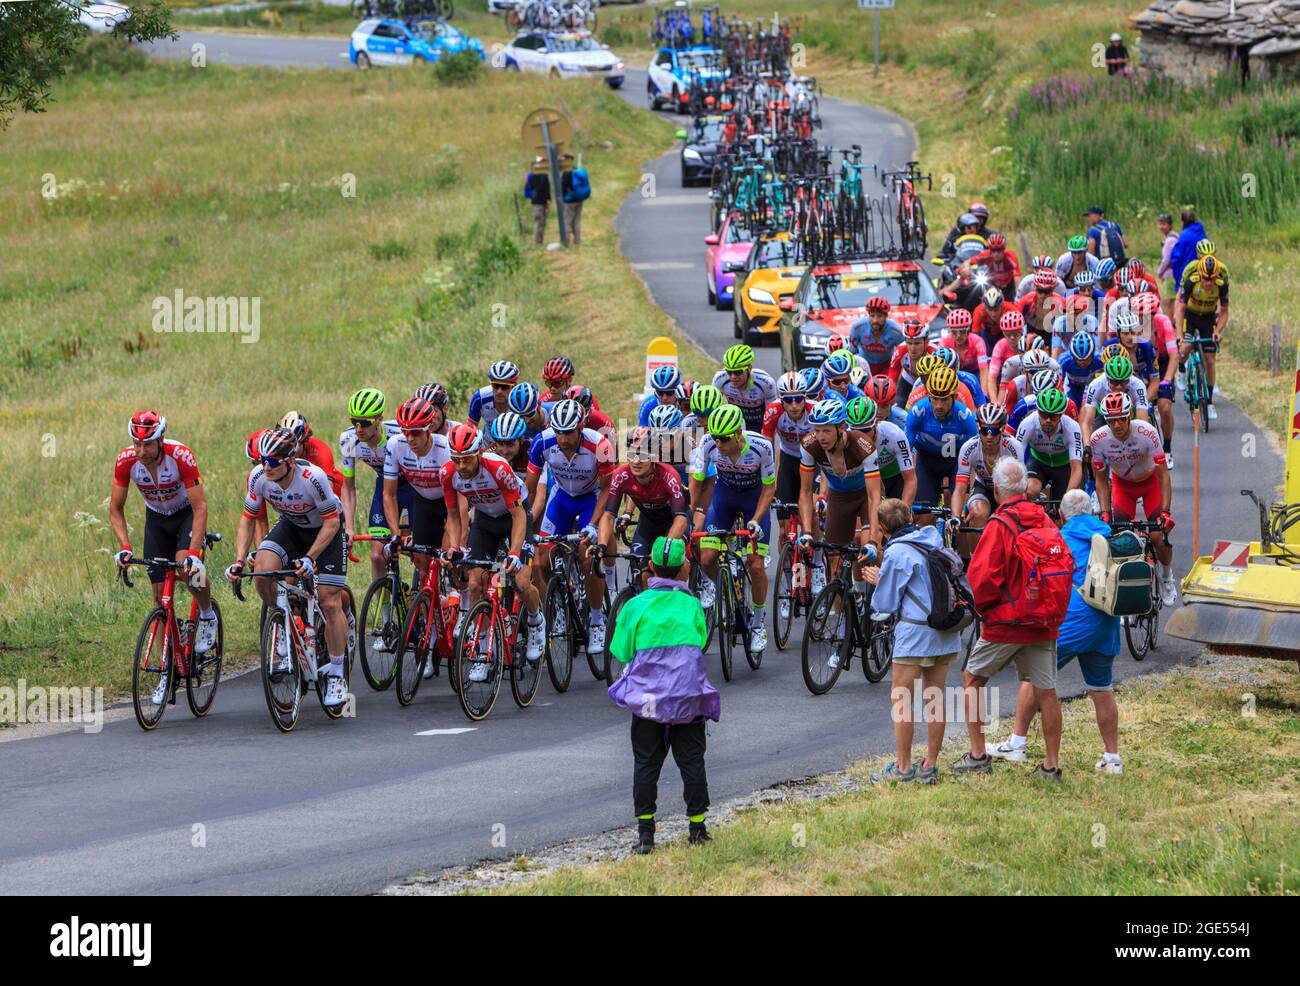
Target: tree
x: 38, y: 37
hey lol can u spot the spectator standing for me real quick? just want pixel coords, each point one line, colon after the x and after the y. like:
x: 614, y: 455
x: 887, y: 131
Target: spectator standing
x: 575, y: 189
x: 1184, y: 250
x: 1165, y: 272
x: 537, y: 190
x: 1105, y: 238
x: 1116, y: 56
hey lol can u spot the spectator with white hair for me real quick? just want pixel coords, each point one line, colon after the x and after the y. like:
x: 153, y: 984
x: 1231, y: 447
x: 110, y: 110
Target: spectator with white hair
x: 1087, y: 634
x: 1019, y: 572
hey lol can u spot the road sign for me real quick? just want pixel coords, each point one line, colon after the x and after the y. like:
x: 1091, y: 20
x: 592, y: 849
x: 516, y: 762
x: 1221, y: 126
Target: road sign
x: 876, y: 4
x: 561, y: 130
x: 662, y: 351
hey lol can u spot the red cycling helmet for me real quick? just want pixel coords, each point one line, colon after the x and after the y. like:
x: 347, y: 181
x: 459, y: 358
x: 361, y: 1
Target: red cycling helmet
x: 834, y: 343
x: 881, y: 389
x: 415, y: 414
x: 912, y: 329
x: 878, y: 304
x: 558, y: 368
x: 580, y: 394
x: 959, y: 318
x: 464, y: 439
x: 147, y: 426
x: 1011, y: 322
x: 1136, y: 267
x: 1078, y: 304
x: 997, y: 242
x: 1144, y: 304
x: 250, y: 447
x: 1044, y: 279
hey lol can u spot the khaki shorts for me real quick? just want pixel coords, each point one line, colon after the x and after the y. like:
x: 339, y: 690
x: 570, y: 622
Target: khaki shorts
x: 926, y: 662
x: 1036, y: 662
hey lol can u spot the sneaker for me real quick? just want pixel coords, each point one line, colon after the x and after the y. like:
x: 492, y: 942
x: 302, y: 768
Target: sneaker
x: 645, y: 843
x: 336, y: 691
x: 1211, y: 413
x: 707, y: 592
x: 1005, y: 751
x: 595, y: 638
x: 1169, y: 461
x: 927, y: 775
x: 1110, y: 766
x: 892, y: 775
x: 970, y: 765
x: 536, y: 640
x: 758, y: 638
x: 160, y: 693
x: 1168, y: 592
x: 207, y: 635
x: 699, y: 834
x: 1043, y: 774
x: 818, y: 582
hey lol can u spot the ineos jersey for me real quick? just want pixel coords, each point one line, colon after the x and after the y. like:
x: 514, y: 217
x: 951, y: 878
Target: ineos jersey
x: 787, y: 432
x: 1060, y: 448
x: 860, y: 461
x: 423, y: 472
x: 755, y: 466
x: 307, y: 501
x: 972, y: 461
x: 752, y: 400
x: 663, y: 491
x: 166, y: 493
x: 578, y: 475
x: 353, y: 449
x: 1133, y: 459
x: 493, y: 490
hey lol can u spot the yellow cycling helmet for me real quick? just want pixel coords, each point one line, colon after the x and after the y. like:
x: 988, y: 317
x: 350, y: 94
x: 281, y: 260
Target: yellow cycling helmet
x: 1209, y: 268
x: 927, y: 364
x: 942, y: 382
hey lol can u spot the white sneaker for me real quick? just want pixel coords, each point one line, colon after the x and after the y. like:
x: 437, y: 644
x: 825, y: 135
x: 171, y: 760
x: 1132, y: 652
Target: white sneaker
x: 1005, y: 751
x: 758, y: 638
x: 160, y: 693
x: 707, y: 593
x: 595, y: 638
x: 1168, y: 592
x: 207, y: 635
x: 336, y: 691
x: 1169, y: 461
x: 536, y: 638
x: 818, y: 581
x: 1211, y: 413
x: 1110, y: 766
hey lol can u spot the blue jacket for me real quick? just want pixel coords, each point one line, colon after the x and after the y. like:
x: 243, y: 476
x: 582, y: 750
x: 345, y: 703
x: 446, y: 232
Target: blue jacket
x: 904, y: 590
x: 1085, y: 629
x: 1184, y: 251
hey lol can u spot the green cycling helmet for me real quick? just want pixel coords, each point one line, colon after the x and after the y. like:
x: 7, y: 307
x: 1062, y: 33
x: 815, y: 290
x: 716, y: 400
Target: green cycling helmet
x: 706, y: 399
x: 861, y: 412
x: 1205, y: 248
x: 367, y: 403
x: 1119, y: 369
x: 1051, y: 401
x: 738, y: 357
x: 726, y: 420
x: 1077, y: 244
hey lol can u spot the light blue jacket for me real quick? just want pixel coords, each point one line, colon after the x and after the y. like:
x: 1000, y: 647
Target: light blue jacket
x: 904, y: 590
x: 1085, y: 629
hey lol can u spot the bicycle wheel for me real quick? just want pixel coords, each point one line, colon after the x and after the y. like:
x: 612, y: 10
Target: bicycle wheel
x: 614, y: 668
x: 153, y: 663
x: 596, y: 661
x: 694, y: 581
x: 878, y: 651
x: 446, y: 9
x: 559, y: 646
x: 525, y: 675
x: 205, y: 673
x: 283, y: 689
x: 725, y: 618
x: 823, y: 638
x: 744, y: 609
x: 783, y: 595
x: 480, y: 661
x: 1135, y: 634
x: 383, y: 618
x: 414, y: 648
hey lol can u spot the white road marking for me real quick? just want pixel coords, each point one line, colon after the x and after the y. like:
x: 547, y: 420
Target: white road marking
x: 664, y: 265
x: 448, y: 732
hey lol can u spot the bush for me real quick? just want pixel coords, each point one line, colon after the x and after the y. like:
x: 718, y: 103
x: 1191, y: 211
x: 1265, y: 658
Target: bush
x: 462, y: 68
x: 108, y: 55
x: 389, y: 250
x: 1274, y: 116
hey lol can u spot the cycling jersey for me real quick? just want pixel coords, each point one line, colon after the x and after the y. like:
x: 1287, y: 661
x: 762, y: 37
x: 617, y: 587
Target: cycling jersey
x: 1099, y: 388
x: 1144, y: 361
x: 319, y: 455
x: 578, y: 475
x: 1040, y: 320
x: 649, y: 404
x: 482, y: 407
x: 1026, y: 286
x: 1063, y: 446
x: 1065, y: 265
x: 900, y: 365
x: 787, y: 432
x: 898, y: 416
x: 518, y: 463
x: 353, y: 448
x: 1011, y: 371
x: 1202, y: 297
x: 939, y: 436
x: 845, y: 395
x: 752, y: 399
x: 754, y: 467
x: 971, y: 460
x: 1079, y: 375
x: 1131, y: 460
x: 423, y: 472
x: 859, y: 457
x: 602, y: 424
x: 971, y: 359
x: 963, y: 395
x: 892, y: 449
x: 1002, y: 351
x: 1029, y: 403
x: 662, y: 492
x: 307, y: 501
x: 1004, y: 267
x: 1017, y: 392
x: 492, y: 491
x: 877, y: 350
x: 166, y: 493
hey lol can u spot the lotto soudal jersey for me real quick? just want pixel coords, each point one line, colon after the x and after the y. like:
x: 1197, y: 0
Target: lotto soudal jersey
x: 788, y: 433
x: 755, y: 466
x: 1099, y: 388
x: 423, y: 472
x: 846, y: 472
x: 894, y: 453
x: 578, y: 474
x: 1060, y: 448
x: 493, y: 490
x: 751, y: 399
x: 353, y: 450
x: 972, y: 463
x: 306, y: 500
x: 164, y: 493
x: 1132, y: 459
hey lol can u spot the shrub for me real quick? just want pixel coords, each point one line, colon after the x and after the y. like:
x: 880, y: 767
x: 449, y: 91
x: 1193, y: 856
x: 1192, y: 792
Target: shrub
x: 389, y: 250
x: 108, y: 55
x: 461, y: 68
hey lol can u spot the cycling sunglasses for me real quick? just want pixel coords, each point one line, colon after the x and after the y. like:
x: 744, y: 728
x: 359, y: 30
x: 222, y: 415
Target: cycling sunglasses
x: 838, y: 381
x: 364, y: 422
x: 737, y: 373
x: 794, y: 399
x: 271, y: 462
x: 990, y: 431
x: 408, y: 432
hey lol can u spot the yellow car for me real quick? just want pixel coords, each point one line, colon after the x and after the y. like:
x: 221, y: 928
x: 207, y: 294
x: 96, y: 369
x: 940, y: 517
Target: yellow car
x: 770, y: 274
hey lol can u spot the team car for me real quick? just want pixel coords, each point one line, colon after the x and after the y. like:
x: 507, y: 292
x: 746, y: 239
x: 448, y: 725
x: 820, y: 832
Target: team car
x: 673, y: 72
x: 831, y: 297
x: 564, y: 55
x: 771, y: 273
x: 722, y: 251
x: 701, y: 148
x: 388, y: 42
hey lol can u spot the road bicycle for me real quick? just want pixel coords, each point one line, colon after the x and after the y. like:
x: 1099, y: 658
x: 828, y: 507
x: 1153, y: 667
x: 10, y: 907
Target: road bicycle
x: 791, y: 586
x: 567, y: 613
x: 164, y: 649
x: 732, y: 605
x: 949, y: 529
x: 910, y: 211
x: 1142, y: 632
x: 839, y: 623
x: 293, y: 653
x: 1197, y: 389
x: 428, y: 634
x: 383, y: 616
x: 405, y: 9
x: 637, y: 566
x: 490, y: 645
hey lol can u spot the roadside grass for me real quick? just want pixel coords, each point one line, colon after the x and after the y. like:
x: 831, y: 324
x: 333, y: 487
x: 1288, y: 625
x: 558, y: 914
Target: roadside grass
x: 1208, y: 804
x: 238, y: 191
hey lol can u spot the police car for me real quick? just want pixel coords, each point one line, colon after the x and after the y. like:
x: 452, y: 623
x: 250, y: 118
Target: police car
x: 563, y: 55
x: 672, y: 73
x: 378, y: 41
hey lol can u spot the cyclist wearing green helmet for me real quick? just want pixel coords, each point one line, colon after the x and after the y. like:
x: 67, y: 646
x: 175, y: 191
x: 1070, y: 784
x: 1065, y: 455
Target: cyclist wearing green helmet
x: 1075, y: 260
x: 743, y: 386
x: 1055, y: 446
x: 1117, y: 377
x: 367, y: 441
x: 733, y: 480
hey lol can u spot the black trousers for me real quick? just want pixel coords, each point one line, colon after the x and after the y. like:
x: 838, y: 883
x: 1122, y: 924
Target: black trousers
x: 651, y: 742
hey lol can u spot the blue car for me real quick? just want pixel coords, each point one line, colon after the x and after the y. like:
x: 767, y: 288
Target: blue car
x: 673, y: 72
x: 388, y: 42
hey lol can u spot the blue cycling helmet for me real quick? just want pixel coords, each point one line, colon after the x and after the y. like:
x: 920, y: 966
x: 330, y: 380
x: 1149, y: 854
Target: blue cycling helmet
x: 1082, y: 347
x: 665, y: 416
x: 814, y: 382
x: 524, y: 400
x: 837, y: 364
x: 1105, y: 270
x: 665, y: 379
x: 832, y: 411
x: 507, y: 427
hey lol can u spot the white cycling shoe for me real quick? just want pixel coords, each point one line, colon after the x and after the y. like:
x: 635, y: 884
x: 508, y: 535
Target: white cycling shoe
x: 595, y: 638
x: 818, y: 581
x: 478, y: 671
x: 160, y: 693
x: 707, y: 593
x: 206, y: 639
x: 536, y: 640
x: 1211, y: 413
x: 758, y: 638
x: 336, y: 691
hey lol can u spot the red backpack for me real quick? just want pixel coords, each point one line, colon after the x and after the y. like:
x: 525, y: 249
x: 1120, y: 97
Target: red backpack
x: 1040, y: 576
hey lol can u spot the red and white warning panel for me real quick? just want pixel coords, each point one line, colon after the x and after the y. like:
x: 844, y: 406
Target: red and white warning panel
x: 1230, y: 555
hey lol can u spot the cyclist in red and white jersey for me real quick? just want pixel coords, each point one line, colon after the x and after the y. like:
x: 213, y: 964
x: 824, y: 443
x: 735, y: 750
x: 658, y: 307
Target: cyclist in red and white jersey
x: 417, y: 455
x: 175, y: 513
x: 1011, y: 324
x: 785, y: 424
x: 315, y: 451
x: 1158, y: 328
x: 902, y: 367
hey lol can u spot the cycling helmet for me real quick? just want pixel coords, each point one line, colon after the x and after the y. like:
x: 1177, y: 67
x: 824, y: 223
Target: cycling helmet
x: 958, y: 318
x: 790, y: 385
x: 1116, y: 405
x: 147, y: 426
x: 1044, y: 279
x: 726, y: 420
x: 415, y: 414
x: 828, y: 412
x: 837, y: 365
x: 912, y: 329
x: 1205, y: 248
x: 1051, y: 401
x: 639, y: 445
x: 1138, y: 286
x: 1126, y: 321
x: 949, y: 356
x: 1144, y: 305
x: 507, y: 427
x: 250, y: 447
x: 858, y: 376
x: 1044, y: 379
x: 558, y: 368
x: 524, y: 400
x: 1077, y: 243
x: 685, y: 389
x: 1032, y: 341
x: 878, y: 304
x: 1105, y: 270
x: 503, y: 371
x: 991, y: 415
x: 297, y: 424
x: 834, y: 344
x: 993, y: 299
x: 665, y: 417
x: 1012, y: 322
x: 814, y: 381
x: 567, y: 416
x: 1122, y: 278
x: 1208, y: 267
x: 1082, y: 347
x: 1085, y: 279
x: 979, y: 210
x: 665, y: 379
x: 706, y: 399
x: 860, y: 412
x: 582, y: 395
x: 941, y: 383
x: 1043, y: 261
x: 276, y: 443
x: 464, y: 440
x: 881, y: 389
x: 434, y: 393
x: 1135, y: 267
x: 1119, y: 369
x: 1035, y: 360
x: 967, y: 219
x: 738, y: 357
x: 367, y: 403
x: 1111, y: 350
x: 997, y: 242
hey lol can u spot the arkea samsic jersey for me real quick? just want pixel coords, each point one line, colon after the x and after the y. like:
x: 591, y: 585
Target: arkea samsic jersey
x: 166, y: 493
x: 1131, y: 460
x: 353, y: 450
x: 755, y: 466
x: 753, y: 399
x: 1063, y: 446
x: 423, y: 472
x: 971, y: 461
x: 307, y: 501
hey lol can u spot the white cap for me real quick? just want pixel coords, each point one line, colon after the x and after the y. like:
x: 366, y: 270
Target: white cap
x: 1116, y: 37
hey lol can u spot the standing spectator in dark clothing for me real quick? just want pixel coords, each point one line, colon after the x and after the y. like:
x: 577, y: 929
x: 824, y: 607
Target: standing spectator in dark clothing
x: 1184, y: 251
x: 537, y: 190
x: 1105, y: 238
x: 1116, y: 56
x: 575, y: 189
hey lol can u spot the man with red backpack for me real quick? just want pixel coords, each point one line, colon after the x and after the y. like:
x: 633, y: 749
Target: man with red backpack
x: 1022, y: 576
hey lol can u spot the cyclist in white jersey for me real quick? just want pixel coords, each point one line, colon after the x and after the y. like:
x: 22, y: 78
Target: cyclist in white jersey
x: 367, y: 441
x: 1117, y: 377
x: 972, y: 498
x: 1053, y: 446
x: 749, y: 389
x: 417, y: 455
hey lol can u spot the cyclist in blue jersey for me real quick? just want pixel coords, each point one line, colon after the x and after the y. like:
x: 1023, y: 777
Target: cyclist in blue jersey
x: 837, y: 369
x: 972, y: 382
x: 486, y: 403
x: 663, y: 390
x: 1080, y: 366
x: 937, y: 428
x: 876, y: 337
x: 671, y: 441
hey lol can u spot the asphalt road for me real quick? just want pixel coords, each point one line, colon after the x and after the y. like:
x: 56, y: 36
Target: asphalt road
x: 228, y: 805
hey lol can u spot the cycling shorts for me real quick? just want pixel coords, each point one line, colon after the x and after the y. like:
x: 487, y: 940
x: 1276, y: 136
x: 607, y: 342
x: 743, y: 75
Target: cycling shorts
x: 934, y: 474
x: 1124, y: 496
x: 1057, y: 477
x: 1201, y: 326
x: 489, y: 535
x: 290, y: 542
x: 567, y: 514
x: 893, y: 486
x: 787, y: 482
x: 165, y: 535
x: 378, y: 523
x: 650, y: 524
x: 730, y: 507
x: 979, y: 491
x: 845, y: 513
x: 428, y: 523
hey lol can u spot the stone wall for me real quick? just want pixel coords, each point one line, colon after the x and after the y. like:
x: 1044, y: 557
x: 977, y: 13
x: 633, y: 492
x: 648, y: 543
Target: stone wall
x: 1275, y: 65
x: 1174, y: 58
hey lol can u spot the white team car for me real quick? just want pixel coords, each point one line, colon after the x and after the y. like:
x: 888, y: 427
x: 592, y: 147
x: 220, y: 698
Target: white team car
x: 565, y: 55
x: 102, y: 17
